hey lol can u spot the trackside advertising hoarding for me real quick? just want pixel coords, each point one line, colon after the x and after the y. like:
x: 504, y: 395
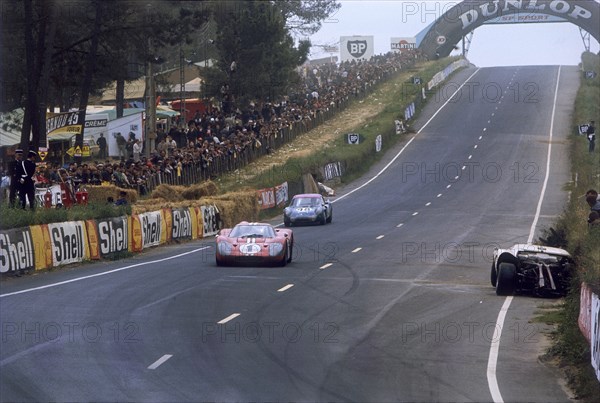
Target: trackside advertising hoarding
x: 68, y: 242
x: 16, y: 250
x: 596, y: 334
x: 112, y: 235
x: 356, y: 48
x: 181, y: 224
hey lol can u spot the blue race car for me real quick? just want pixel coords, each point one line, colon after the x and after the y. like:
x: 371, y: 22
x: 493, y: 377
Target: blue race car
x: 309, y: 208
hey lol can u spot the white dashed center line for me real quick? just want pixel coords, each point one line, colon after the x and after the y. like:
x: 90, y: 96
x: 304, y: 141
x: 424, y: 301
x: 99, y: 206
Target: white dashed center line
x: 227, y: 319
x: 428, y: 204
x: 439, y: 195
x: 285, y: 288
x: 399, y: 225
x: 480, y: 137
x: 415, y: 213
x: 160, y: 361
x: 448, y: 187
x: 380, y: 237
x: 356, y: 250
x: 326, y: 266
x: 475, y: 146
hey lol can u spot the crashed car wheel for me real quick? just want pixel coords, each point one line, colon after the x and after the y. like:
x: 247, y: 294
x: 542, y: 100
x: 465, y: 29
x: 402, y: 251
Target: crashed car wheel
x: 507, y: 278
x: 493, y: 275
x: 330, y: 219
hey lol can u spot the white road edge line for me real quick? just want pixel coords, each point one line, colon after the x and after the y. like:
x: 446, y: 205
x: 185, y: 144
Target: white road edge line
x: 495, y: 346
x: 494, y: 349
x: 160, y: 361
x: 101, y: 274
x: 227, y: 319
x: 285, y: 288
x: 408, y: 143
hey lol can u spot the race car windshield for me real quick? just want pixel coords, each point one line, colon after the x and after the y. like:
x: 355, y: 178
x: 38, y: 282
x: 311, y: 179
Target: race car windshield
x: 252, y: 231
x: 305, y: 202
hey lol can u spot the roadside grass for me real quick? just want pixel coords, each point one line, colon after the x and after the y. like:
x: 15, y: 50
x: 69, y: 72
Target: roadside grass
x: 570, y: 348
x: 394, y: 95
x: 18, y: 218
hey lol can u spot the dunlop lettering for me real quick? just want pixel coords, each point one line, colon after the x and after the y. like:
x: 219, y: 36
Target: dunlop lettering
x: 494, y: 7
x: 16, y: 254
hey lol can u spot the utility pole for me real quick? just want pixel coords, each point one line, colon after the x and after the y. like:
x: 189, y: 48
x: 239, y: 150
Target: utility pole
x: 150, y: 126
x: 182, y: 86
x: 150, y: 107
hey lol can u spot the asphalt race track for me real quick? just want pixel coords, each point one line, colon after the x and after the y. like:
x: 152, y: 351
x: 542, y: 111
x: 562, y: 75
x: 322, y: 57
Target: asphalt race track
x: 390, y: 302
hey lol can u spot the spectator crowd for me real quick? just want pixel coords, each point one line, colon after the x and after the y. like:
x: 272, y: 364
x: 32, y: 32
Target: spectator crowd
x: 220, y: 140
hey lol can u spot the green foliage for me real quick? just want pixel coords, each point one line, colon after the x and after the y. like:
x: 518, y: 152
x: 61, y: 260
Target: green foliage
x: 357, y: 158
x: 130, y: 34
x: 570, y: 347
x: 17, y: 218
x: 257, y: 57
x: 305, y: 17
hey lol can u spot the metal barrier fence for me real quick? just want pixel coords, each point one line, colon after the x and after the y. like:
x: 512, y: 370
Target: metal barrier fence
x: 200, y: 170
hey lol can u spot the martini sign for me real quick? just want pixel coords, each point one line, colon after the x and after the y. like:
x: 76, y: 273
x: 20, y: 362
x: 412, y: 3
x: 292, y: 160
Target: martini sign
x: 403, y: 44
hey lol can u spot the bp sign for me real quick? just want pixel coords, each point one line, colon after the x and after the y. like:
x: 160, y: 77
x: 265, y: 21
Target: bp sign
x: 353, y: 138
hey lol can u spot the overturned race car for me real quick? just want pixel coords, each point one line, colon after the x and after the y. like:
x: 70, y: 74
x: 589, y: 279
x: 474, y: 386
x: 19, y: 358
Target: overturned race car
x: 526, y: 268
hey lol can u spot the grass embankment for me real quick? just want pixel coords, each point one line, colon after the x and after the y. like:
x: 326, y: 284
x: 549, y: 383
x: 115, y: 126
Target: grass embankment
x: 18, y: 218
x: 570, y: 348
x: 393, y: 96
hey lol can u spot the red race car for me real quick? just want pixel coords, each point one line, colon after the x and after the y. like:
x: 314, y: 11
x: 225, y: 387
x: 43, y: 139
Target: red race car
x: 254, y: 243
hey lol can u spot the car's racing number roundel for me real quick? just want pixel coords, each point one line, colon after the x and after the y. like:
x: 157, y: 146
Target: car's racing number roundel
x: 250, y: 249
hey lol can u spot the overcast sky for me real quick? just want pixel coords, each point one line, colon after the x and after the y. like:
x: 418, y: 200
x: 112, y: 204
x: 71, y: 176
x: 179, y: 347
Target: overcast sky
x: 492, y: 45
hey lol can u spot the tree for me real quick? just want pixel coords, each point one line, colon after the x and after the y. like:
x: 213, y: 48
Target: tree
x: 47, y: 49
x: 305, y: 16
x: 257, y: 56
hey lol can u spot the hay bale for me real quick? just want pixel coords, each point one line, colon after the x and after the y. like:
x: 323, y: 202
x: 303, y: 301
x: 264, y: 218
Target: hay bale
x: 235, y: 206
x: 99, y: 194
x: 179, y: 193
x: 199, y: 190
x: 310, y: 186
x: 168, y: 192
